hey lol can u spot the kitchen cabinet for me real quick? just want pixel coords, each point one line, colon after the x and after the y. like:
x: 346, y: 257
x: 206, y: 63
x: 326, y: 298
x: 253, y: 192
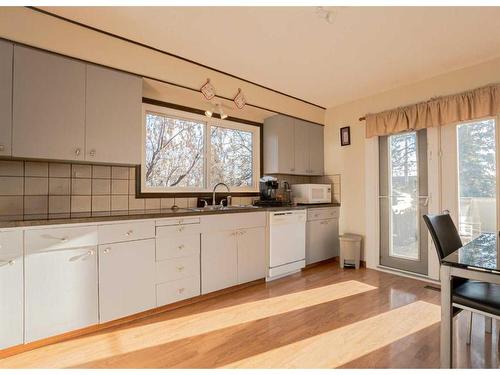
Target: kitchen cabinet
x: 279, y: 145
x: 293, y: 146
x: 113, y: 116
x: 219, y: 260
x: 316, y: 150
x: 11, y: 288
x: 6, y: 56
x: 232, y: 250
x: 322, y: 234
x: 48, y: 106
x: 251, y: 244
x: 126, y: 279
x: 61, y: 290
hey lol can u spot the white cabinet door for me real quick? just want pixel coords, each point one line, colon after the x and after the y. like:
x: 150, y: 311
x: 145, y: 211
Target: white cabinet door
x: 127, y: 274
x: 48, y: 106
x: 322, y: 240
x: 113, y: 116
x: 251, y: 254
x: 6, y: 53
x: 279, y: 145
x: 301, y: 147
x: 61, y: 291
x: 316, y: 152
x: 11, y: 288
x: 219, y: 260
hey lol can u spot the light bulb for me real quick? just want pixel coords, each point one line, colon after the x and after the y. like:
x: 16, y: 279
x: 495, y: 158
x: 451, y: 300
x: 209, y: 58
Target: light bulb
x: 208, y: 113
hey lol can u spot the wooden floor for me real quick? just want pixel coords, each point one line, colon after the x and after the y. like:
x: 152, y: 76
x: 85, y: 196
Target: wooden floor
x: 323, y: 317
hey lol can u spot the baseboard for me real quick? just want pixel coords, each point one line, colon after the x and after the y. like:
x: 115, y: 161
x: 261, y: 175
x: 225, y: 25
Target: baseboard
x: 4, y: 353
x: 410, y: 275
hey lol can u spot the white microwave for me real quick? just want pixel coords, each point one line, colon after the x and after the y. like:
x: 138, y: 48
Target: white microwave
x: 312, y: 193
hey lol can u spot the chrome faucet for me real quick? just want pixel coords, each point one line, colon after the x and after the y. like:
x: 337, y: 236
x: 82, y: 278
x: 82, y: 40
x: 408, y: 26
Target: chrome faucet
x: 215, y: 188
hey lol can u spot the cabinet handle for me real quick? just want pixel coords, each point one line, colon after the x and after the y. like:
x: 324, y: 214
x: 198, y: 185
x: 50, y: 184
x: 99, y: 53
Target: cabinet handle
x: 77, y: 152
x: 2, y: 148
x: 92, y: 153
x: 64, y: 239
x: 180, y: 268
x: 180, y: 291
x: 107, y: 250
x: 90, y: 252
x: 242, y: 232
x: 129, y: 232
x: 12, y: 262
x: 181, y: 228
x: 180, y: 247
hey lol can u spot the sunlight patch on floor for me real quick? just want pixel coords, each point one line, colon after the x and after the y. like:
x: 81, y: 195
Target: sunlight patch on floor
x: 153, y: 334
x: 335, y: 348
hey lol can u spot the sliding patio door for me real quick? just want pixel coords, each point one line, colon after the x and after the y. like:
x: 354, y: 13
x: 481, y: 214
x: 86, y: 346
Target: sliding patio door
x: 403, y: 200
x: 469, y: 176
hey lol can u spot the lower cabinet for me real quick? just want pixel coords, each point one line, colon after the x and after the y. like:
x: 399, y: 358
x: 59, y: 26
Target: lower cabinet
x: 127, y: 272
x: 232, y: 257
x: 219, y: 260
x: 11, y: 288
x: 251, y: 254
x: 61, y: 291
x: 322, y: 240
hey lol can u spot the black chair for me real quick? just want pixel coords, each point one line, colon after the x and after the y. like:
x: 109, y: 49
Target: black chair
x: 467, y: 295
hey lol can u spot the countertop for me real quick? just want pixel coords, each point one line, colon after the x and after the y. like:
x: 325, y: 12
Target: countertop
x: 87, y: 217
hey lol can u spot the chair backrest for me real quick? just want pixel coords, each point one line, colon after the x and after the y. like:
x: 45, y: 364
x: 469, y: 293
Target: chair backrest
x: 444, y: 234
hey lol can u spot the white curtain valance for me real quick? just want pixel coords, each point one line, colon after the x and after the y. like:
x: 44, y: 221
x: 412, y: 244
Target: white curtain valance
x: 470, y: 105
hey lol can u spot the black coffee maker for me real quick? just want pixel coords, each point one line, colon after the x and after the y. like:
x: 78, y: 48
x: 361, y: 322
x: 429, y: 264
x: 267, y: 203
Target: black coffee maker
x: 268, y: 187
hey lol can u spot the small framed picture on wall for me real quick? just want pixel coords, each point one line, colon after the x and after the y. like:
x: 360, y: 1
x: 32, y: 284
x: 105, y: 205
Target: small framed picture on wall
x: 345, y: 136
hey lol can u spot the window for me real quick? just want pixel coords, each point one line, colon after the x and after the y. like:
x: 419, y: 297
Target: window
x: 185, y: 152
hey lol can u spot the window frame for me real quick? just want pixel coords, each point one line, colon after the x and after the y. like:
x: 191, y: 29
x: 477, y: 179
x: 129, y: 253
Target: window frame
x: 208, y: 122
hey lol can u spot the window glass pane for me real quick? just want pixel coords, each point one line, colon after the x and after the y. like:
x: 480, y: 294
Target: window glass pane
x: 231, y: 159
x: 404, y: 195
x: 174, y: 152
x: 477, y: 178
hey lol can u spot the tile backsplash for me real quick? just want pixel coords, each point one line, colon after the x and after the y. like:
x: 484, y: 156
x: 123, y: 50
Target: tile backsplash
x: 39, y: 190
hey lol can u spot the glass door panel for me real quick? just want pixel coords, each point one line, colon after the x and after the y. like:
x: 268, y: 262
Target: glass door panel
x: 476, y: 175
x: 403, y: 201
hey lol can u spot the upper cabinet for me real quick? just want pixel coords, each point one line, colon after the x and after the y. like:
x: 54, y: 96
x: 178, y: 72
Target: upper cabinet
x: 113, y: 116
x: 292, y: 146
x: 48, y: 105
x: 65, y: 109
x: 6, y: 53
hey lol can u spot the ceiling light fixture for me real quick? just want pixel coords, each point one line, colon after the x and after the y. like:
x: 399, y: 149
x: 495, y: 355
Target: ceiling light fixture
x: 326, y: 14
x: 223, y: 116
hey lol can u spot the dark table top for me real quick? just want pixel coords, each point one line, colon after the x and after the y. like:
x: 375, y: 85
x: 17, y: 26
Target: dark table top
x: 479, y: 253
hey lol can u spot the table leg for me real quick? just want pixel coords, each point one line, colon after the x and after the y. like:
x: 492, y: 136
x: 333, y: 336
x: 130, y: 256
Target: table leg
x: 446, y: 318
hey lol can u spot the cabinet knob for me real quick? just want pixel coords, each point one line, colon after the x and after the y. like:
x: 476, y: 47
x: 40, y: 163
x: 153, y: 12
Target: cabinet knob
x: 92, y: 153
x: 180, y: 268
x: 12, y: 262
x: 107, y: 250
x: 77, y: 152
x: 129, y: 232
x: 64, y: 239
x: 90, y: 252
x: 181, y: 228
x: 2, y: 148
x: 180, y: 291
x: 181, y: 247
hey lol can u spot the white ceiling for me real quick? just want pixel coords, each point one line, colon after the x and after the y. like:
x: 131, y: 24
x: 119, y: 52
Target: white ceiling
x: 365, y: 50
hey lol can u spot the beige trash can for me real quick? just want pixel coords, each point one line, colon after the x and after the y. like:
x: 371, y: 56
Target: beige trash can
x: 350, y: 249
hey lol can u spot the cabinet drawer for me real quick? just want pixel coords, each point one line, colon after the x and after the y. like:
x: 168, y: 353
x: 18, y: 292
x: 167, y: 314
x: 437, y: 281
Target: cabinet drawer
x: 11, y: 245
x: 178, y: 221
x: 178, y: 268
x: 177, y: 290
x: 224, y: 222
x: 177, y: 229
x: 60, y: 238
x: 130, y: 231
x: 322, y: 213
x: 177, y: 246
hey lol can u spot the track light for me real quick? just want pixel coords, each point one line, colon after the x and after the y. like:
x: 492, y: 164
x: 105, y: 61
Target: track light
x: 208, y: 113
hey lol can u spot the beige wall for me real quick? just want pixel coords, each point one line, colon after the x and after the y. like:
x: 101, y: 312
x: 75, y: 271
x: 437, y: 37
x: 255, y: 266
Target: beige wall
x: 27, y: 26
x: 349, y: 161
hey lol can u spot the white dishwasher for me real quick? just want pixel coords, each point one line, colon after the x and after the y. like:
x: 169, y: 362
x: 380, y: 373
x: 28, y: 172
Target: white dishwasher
x: 286, y: 242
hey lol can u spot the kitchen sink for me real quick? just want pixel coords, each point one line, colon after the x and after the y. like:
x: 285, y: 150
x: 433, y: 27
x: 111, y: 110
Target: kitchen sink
x: 224, y: 208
